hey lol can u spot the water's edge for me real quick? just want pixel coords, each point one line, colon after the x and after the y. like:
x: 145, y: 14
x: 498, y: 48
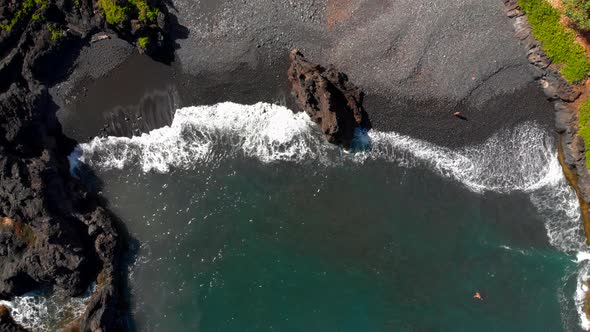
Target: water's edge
x: 565, y: 99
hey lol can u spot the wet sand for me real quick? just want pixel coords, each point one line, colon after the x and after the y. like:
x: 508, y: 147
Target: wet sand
x: 141, y: 94
x: 138, y: 95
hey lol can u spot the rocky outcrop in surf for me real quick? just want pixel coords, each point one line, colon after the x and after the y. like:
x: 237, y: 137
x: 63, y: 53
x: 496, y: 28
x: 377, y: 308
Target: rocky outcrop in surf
x: 54, y: 234
x: 329, y: 99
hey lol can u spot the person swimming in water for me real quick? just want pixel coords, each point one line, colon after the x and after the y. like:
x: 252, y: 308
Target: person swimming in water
x: 478, y: 296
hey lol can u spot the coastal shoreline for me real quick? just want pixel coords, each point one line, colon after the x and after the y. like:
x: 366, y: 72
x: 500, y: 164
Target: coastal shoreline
x: 566, y: 99
x: 412, y: 87
x: 488, y: 106
x: 174, y: 86
x: 57, y: 236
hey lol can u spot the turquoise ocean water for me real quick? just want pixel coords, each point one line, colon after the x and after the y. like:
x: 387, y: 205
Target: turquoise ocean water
x: 245, y: 220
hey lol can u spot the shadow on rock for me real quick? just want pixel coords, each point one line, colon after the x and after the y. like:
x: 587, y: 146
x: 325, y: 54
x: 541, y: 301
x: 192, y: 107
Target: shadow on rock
x: 175, y: 31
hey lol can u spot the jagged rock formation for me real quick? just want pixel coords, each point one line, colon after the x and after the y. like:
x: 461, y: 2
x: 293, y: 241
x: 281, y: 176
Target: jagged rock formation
x: 53, y: 233
x: 329, y: 99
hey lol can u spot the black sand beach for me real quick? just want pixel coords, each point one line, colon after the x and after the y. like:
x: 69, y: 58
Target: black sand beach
x: 417, y: 62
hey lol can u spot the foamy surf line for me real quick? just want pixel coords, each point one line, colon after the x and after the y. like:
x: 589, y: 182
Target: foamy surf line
x: 521, y: 159
x: 42, y: 312
x: 272, y: 133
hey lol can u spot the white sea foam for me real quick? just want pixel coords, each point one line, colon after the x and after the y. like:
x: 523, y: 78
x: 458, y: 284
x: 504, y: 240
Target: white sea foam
x: 520, y: 251
x: 204, y: 134
x: 511, y: 160
x: 522, y: 159
x: 42, y: 312
x: 580, y: 296
x: 582, y: 256
x: 517, y: 159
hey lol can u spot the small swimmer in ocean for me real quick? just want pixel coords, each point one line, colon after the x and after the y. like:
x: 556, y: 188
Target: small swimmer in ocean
x: 478, y: 296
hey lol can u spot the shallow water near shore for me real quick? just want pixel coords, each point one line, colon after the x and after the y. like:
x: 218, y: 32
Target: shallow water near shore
x: 247, y: 221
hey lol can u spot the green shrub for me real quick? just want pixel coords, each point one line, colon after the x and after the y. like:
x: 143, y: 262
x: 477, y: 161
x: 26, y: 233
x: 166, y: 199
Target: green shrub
x: 145, y: 12
x: 579, y: 12
x: 143, y: 42
x: 558, y: 42
x: 27, y: 7
x: 114, y: 13
x: 584, y: 123
x: 38, y: 17
x: 56, y: 31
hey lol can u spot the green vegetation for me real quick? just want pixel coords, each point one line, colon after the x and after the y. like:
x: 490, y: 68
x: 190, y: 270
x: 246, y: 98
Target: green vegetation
x: 145, y: 12
x: 584, y: 122
x: 143, y: 42
x: 56, y: 31
x: 116, y: 13
x: 27, y: 7
x: 39, y: 14
x: 579, y: 12
x: 37, y: 8
x: 558, y: 41
x: 38, y: 17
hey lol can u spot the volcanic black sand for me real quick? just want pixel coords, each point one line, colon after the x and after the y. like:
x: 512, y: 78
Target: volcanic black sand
x: 418, y: 62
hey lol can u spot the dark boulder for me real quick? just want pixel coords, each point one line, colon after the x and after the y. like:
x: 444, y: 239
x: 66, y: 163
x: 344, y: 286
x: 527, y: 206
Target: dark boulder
x: 329, y: 99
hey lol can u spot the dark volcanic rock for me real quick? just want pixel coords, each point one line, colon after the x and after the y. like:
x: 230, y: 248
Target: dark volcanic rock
x: 329, y: 99
x: 53, y: 233
x: 556, y: 87
x: 564, y: 117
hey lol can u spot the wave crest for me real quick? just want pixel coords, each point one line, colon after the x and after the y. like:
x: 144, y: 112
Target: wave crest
x: 207, y: 133
x: 45, y: 312
x: 517, y: 159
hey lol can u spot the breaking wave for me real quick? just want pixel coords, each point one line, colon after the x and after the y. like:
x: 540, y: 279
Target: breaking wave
x: 209, y: 133
x: 521, y: 159
x: 45, y: 312
x: 518, y: 159
x: 581, y: 291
